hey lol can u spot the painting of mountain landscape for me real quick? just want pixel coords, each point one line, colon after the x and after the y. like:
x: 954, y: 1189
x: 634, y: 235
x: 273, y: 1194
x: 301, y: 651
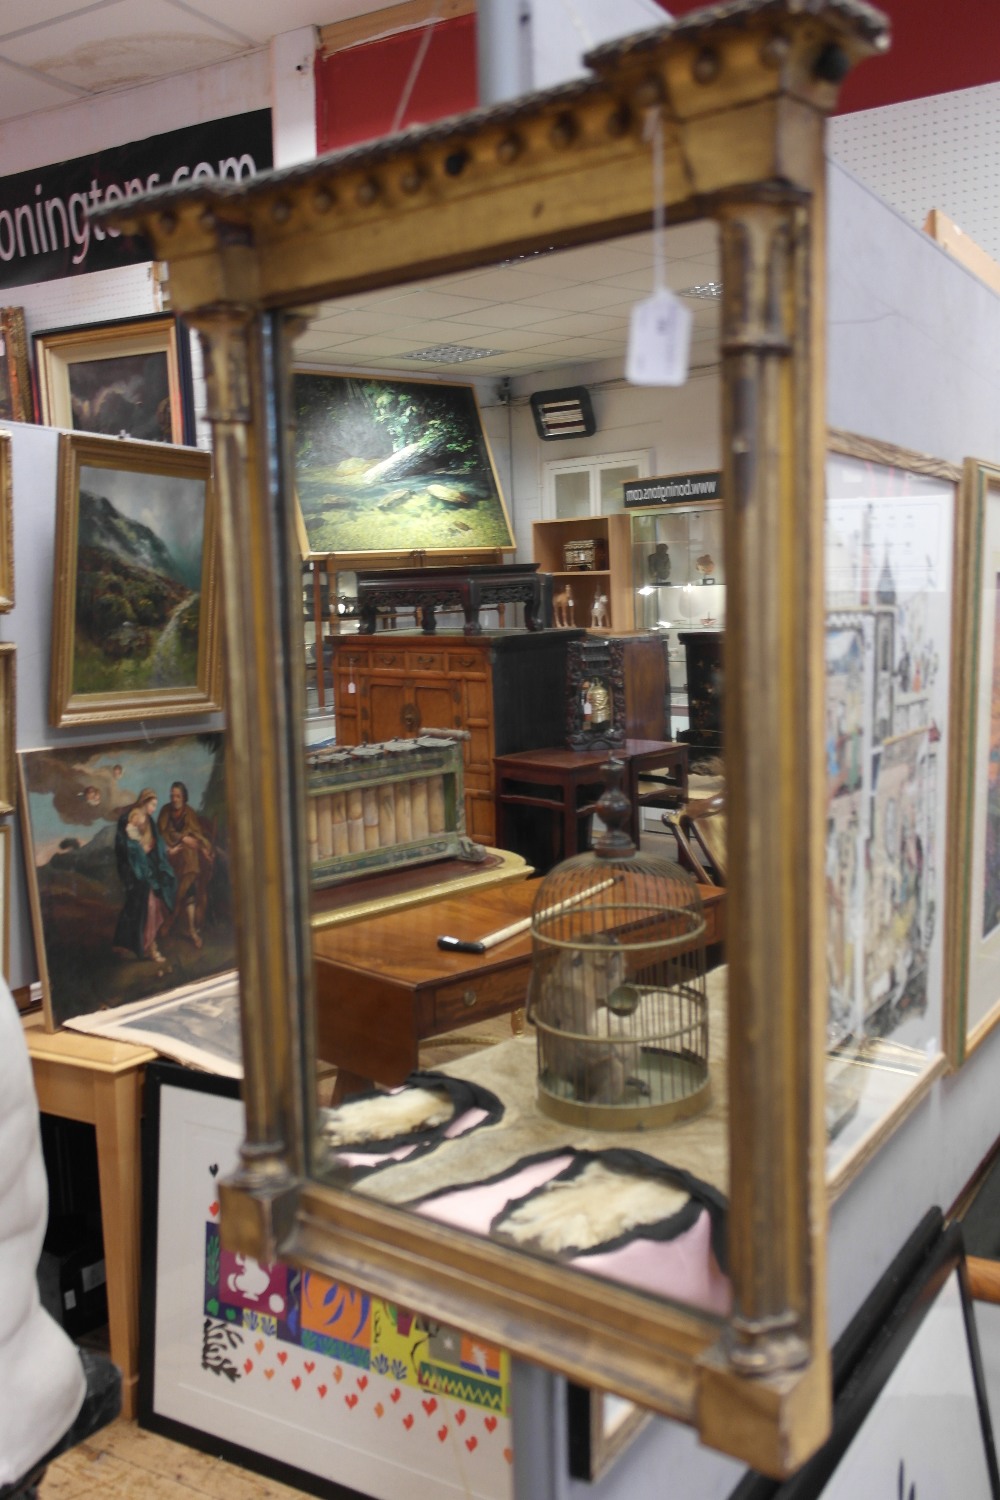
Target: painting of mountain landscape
x: 394, y: 465
x: 135, y: 543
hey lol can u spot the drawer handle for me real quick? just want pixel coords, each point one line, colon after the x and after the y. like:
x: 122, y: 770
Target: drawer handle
x: 425, y: 661
x: 410, y: 718
x: 466, y: 661
x: 469, y: 999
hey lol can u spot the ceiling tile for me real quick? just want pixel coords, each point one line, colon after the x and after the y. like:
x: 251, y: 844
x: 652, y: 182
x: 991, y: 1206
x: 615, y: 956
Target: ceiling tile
x: 262, y: 21
x: 504, y: 315
x: 583, y: 296
x: 425, y: 302
x: 111, y: 46
x: 593, y: 324
x: 507, y: 283
x: 21, y: 94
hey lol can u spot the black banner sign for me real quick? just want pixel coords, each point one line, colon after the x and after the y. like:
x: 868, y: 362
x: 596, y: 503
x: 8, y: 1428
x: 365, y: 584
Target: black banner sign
x: 673, y: 489
x: 44, y: 230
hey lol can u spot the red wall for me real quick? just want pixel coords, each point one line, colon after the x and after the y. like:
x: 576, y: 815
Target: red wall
x: 936, y: 48
x: 358, y: 90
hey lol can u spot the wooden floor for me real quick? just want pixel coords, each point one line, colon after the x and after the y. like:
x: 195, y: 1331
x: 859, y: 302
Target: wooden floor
x: 124, y: 1461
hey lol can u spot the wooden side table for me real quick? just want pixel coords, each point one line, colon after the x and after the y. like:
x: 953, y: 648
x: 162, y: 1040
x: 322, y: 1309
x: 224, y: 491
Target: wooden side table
x: 100, y: 1082
x: 553, y: 780
x: 383, y: 985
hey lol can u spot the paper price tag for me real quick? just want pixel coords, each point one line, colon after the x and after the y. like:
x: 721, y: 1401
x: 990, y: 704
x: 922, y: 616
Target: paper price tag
x: 659, y: 341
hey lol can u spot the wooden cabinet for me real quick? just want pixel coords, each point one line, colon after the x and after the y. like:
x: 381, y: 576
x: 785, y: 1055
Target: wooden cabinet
x: 613, y: 577
x: 506, y: 689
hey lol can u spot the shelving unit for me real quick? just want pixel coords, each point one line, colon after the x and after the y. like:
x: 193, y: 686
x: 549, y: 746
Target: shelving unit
x: 694, y: 599
x: 613, y: 533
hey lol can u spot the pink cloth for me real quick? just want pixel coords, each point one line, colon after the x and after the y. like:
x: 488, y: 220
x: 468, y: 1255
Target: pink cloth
x: 683, y: 1269
x: 474, y: 1208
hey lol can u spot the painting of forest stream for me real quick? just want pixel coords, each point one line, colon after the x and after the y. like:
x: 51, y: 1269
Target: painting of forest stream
x: 392, y: 466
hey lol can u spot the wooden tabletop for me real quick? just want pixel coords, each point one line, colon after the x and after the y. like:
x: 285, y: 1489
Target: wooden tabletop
x: 402, y: 945
x: 562, y: 759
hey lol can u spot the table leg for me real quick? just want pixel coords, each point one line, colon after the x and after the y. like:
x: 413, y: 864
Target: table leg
x: 571, y: 823
x: 117, y: 1110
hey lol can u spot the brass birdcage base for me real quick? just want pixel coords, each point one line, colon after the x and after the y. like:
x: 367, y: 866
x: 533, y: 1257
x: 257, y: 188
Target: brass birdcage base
x: 683, y: 1072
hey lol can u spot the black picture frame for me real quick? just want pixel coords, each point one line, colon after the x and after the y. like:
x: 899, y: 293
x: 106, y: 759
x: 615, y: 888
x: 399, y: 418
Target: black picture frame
x: 872, y: 1348
x: 160, y: 1075
x: 239, y: 1368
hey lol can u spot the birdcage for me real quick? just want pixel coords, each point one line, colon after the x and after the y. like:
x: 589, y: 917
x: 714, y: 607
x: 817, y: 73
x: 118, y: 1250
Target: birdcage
x: 617, y: 992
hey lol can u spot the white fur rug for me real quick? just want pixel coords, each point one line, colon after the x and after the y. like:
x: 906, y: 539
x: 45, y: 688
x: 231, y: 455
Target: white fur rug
x: 590, y: 1209
x: 387, y: 1116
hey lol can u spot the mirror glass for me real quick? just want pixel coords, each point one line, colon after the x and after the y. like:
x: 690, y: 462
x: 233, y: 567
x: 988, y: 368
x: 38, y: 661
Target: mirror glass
x: 421, y: 705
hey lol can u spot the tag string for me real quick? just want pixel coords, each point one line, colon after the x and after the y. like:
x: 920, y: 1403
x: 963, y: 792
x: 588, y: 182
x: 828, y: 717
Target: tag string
x: 418, y: 63
x: 654, y: 134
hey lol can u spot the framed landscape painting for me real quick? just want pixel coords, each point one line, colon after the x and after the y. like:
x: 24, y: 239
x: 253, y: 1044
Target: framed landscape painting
x: 15, y: 376
x: 973, y: 920
x: 394, y: 466
x: 127, y: 858
x: 135, y: 617
x: 123, y: 379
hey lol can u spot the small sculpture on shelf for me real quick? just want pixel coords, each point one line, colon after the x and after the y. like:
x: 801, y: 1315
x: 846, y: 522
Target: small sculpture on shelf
x: 705, y: 566
x: 596, y: 703
x: 599, y: 613
x: 562, y: 608
x: 658, y: 564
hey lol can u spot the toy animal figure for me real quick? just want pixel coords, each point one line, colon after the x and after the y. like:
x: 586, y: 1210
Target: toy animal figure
x: 573, y: 990
x: 562, y: 608
x: 599, y: 612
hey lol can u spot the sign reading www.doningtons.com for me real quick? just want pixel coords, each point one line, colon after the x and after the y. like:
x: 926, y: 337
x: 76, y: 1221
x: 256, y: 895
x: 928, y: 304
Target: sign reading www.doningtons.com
x: 44, y: 230
x: 672, y: 489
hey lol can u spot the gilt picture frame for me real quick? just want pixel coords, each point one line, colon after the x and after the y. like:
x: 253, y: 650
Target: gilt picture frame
x: 893, y: 533
x: 135, y: 604
x: 8, y: 721
x: 394, y: 466
x: 16, y: 403
x: 6, y: 524
x: 6, y: 841
x: 126, y: 850
x: 128, y: 378
x: 972, y: 990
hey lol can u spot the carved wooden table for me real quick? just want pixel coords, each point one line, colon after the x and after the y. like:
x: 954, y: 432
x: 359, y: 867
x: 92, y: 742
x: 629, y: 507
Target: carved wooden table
x: 383, y: 985
x: 472, y: 588
x: 552, y: 780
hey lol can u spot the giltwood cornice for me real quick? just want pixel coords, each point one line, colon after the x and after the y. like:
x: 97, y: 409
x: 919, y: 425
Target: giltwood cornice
x: 742, y: 88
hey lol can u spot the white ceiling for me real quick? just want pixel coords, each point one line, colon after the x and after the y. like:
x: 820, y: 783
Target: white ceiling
x: 568, y: 307
x: 538, y: 312
x: 54, y: 51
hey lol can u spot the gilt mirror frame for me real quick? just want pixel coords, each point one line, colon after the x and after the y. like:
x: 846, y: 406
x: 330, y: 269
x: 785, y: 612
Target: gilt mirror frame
x: 743, y: 90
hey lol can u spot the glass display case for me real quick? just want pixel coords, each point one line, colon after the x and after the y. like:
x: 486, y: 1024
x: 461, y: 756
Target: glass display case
x: 679, y: 584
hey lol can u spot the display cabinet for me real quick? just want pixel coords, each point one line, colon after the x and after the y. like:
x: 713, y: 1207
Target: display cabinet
x: 506, y: 689
x: 743, y: 90
x: 679, y: 581
x: 588, y: 574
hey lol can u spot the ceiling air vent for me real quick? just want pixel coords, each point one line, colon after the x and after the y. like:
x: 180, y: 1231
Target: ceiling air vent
x: 450, y: 354
x: 563, y: 414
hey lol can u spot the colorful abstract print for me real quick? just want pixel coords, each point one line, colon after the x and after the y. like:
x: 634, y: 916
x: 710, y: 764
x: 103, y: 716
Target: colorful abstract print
x: 263, y: 1318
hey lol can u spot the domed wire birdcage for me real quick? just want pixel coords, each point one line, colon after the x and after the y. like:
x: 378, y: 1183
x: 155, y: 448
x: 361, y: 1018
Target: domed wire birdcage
x: 617, y: 992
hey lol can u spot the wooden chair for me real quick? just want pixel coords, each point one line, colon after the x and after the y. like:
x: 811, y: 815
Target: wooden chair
x: 700, y: 830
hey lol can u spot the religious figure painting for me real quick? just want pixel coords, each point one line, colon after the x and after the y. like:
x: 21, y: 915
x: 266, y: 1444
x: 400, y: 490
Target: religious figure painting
x: 135, y: 624
x: 394, y: 465
x: 128, y: 869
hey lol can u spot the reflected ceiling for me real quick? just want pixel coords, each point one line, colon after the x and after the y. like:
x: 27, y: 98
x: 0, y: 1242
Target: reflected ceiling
x: 564, y: 307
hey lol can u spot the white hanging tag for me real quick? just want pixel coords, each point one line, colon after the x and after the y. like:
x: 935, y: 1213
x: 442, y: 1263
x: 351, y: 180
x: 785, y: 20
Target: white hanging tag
x: 659, y: 336
x: 659, y: 340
